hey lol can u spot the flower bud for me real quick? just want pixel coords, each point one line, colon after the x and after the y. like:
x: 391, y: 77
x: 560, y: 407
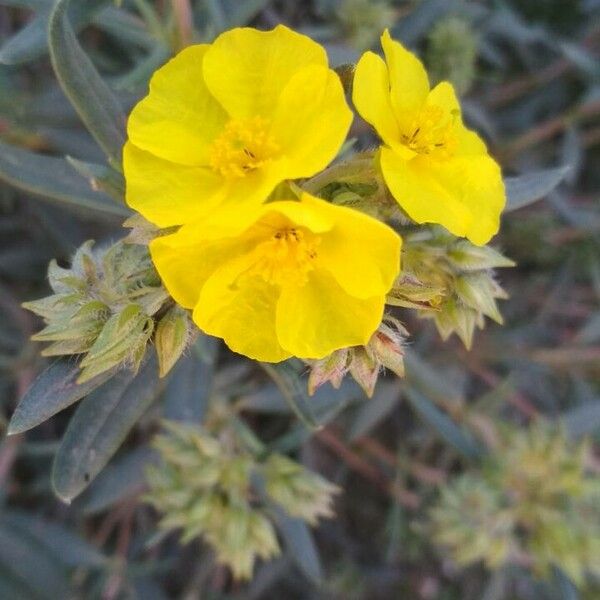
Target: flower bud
x: 172, y: 337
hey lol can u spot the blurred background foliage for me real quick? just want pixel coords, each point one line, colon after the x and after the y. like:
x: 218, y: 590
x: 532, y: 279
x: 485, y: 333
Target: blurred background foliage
x: 420, y: 501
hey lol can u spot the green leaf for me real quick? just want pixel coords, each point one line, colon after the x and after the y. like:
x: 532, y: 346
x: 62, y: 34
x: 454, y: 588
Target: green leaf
x: 373, y: 411
x: 66, y: 545
x: 31, y: 42
x: 300, y: 545
x: 82, y: 84
x: 100, y: 425
x: 31, y: 567
x: 447, y: 429
x: 524, y: 190
x: 117, y: 481
x: 54, y: 178
x: 54, y: 390
x: 294, y: 390
x: 188, y: 390
x: 101, y: 177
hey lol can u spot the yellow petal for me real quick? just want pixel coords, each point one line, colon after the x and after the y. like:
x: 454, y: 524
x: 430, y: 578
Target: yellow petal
x: 320, y: 317
x: 167, y: 193
x: 178, y: 118
x: 371, y: 96
x: 184, y: 261
x: 311, y: 121
x: 464, y: 194
x: 444, y: 96
x: 408, y: 78
x: 246, y: 69
x: 243, y: 313
x: 362, y: 253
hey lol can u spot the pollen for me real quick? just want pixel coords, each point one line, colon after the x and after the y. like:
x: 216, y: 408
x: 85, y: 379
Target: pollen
x: 287, y: 256
x: 243, y: 146
x: 431, y: 132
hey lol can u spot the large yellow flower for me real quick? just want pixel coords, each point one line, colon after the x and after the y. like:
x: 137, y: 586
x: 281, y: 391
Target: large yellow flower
x: 438, y: 171
x: 225, y: 123
x: 291, y: 278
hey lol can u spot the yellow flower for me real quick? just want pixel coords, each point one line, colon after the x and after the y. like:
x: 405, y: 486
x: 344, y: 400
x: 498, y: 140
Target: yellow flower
x: 225, y: 123
x: 289, y: 278
x: 438, y: 170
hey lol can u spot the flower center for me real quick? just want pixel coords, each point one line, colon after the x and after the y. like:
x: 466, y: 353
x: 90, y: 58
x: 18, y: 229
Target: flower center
x: 243, y: 146
x: 286, y: 257
x: 432, y: 132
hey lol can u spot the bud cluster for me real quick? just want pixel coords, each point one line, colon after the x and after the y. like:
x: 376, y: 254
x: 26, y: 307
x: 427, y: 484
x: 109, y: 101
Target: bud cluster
x: 385, y: 350
x: 449, y: 280
x: 105, y: 307
x: 211, y: 487
x: 533, y: 504
x: 452, y: 53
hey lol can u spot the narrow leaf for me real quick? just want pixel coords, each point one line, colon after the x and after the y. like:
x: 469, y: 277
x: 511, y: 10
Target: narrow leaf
x: 524, y: 190
x: 101, y: 178
x: 67, y: 546
x: 54, y: 390
x: 81, y: 82
x: 54, y: 178
x: 188, y: 390
x: 100, y: 426
x: 300, y: 545
x: 294, y: 390
x: 373, y: 411
x: 447, y: 429
x: 117, y: 481
x: 31, y: 41
x: 33, y: 567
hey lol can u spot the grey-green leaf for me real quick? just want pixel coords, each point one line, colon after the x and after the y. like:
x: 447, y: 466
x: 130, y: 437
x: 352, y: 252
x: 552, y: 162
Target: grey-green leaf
x: 117, y: 481
x: 300, y: 545
x: 294, y: 390
x: 53, y: 178
x: 66, y: 545
x: 31, y: 41
x: 524, y: 190
x: 100, y: 425
x: 91, y: 97
x: 445, y: 427
x: 101, y: 177
x: 55, y: 389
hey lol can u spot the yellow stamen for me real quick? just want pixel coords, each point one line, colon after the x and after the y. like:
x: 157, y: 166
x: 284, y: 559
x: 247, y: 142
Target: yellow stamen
x: 243, y: 146
x: 286, y: 257
x: 432, y: 132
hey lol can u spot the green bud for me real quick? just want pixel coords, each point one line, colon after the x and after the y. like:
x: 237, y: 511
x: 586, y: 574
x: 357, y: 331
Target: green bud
x: 173, y: 333
x: 364, y: 20
x: 332, y: 368
x: 468, y: 257
x: 476, y: 290
x: 452, y: 52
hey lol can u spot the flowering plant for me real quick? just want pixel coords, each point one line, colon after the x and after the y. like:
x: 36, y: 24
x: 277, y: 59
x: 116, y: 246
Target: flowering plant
x: 287, y: 221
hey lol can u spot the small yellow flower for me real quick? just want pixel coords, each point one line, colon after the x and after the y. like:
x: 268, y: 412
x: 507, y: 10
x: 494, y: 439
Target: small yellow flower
x: 225, y: 123
x: 289, y: 278
x: 438, y: 170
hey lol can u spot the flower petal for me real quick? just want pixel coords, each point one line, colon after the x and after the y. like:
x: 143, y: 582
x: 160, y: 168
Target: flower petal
x: 184, y: 269
x: 362, y: 253
x: 408, y: 78
x: 371, y: 96
x: 311, y: 121
x: 243, y: 313
x: 179, y: 117
x: 465, y: 194
x: 315, y: 319
x: 167, y: 193
x: 444, y: 96
x: 246, y: 69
